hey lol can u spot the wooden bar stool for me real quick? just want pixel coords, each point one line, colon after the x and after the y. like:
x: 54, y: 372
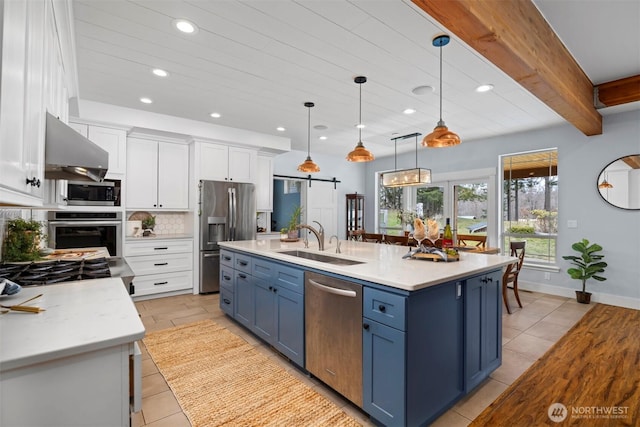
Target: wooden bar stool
x: 511, y: 273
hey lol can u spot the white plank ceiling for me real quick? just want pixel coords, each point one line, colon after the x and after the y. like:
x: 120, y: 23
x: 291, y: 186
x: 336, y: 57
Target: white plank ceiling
x: 256, y: 62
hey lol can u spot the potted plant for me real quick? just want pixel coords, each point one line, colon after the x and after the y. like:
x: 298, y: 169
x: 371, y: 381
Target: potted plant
x: 22, y: 241
x: 149, y: 222
x: 284, y: 234
x: 588, y: 264
x: 294, y: 221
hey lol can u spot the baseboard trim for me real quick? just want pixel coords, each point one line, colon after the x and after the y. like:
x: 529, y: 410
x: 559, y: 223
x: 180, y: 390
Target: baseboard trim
x: 627, y: 302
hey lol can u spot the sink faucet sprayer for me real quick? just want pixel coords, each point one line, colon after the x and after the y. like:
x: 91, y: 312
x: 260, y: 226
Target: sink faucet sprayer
x: 318, y: 233
x: 337, y: 243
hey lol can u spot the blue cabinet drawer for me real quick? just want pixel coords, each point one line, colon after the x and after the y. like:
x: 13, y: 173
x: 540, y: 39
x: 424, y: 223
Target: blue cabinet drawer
x: 262, y: 269
x: 384, y: 307
x: 226, y: 278
x: 226, y: 301
x: 242, y: 262
x: 226, y: 258
x: 289, y: 277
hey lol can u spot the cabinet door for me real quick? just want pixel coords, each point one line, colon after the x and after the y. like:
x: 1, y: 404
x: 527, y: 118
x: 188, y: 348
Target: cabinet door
x: 483, y: 328
x: 242, y: 164
x: 243, y: 298
x: 264, y: 184
x: 112, y: 141
x: 264, y: 312
x: 13, y: 150
x: 173, y: 176
x: 290, y: 324
x: 383, y: 372
x: 142, y: 174
x: 214, y: 162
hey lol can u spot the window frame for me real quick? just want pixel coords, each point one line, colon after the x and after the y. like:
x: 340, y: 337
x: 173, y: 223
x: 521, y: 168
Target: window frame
x: 532, y: 263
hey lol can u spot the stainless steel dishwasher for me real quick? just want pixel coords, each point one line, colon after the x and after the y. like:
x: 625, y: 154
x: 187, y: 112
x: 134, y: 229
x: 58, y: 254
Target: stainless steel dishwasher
x: 333, y: 333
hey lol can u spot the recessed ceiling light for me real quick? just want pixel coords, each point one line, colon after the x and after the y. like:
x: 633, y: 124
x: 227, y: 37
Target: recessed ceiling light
x: 280, y: 129
x: 484, y: 88
x: 409, y: 111
x: 160, y: 72
x: 145, y: 100
x: 422, y: 90
x: 185, y: 26
x: 215, y: 115
x: 323, y: 138
x: 320, y: 127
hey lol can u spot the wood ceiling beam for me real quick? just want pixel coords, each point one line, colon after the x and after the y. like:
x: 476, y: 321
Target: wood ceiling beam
x: 618, y: 92
x: 515, y: 37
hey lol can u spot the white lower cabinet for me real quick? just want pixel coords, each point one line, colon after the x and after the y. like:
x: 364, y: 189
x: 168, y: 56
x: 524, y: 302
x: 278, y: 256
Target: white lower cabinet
x: 160, y: 265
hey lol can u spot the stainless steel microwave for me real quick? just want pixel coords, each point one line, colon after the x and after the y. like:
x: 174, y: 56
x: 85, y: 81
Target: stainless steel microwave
x: 87, y: 193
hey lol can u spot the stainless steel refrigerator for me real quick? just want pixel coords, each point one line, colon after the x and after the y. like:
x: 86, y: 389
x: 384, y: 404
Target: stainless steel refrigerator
x: 227, y: 213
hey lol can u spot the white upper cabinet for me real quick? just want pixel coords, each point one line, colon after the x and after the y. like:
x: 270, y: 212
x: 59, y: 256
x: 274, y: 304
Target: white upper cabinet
x: 33, y: 80
x: 223, y: 163
x: 157, y: 175
x: 21, y: 111
x: 112, y: 140
x: 264, y: 184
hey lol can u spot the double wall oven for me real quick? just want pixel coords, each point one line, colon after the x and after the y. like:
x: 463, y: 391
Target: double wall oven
x: 70, y: 229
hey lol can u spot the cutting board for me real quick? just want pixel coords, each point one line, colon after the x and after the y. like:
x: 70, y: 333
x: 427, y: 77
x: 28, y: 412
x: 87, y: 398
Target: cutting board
x: 76, y: 254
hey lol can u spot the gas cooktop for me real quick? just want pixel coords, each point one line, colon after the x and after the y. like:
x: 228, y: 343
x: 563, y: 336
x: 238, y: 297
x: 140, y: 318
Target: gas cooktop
x: 50, y: 272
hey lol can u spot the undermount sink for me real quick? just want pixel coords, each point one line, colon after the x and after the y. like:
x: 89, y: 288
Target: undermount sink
x: 321, y: 258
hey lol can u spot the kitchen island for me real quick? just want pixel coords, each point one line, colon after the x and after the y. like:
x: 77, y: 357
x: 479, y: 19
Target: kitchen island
x: 72, y: 363
x: 427, y: 333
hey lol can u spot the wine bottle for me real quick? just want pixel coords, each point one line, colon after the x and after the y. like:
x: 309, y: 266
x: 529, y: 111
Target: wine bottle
x: 447, y: 236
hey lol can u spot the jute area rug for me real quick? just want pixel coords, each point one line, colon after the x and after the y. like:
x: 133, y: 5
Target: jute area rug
x: 590, y: 377
x: 221, y: 380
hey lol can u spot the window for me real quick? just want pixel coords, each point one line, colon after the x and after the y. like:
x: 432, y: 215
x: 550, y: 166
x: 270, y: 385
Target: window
x: 530, y: 203
x: 466, y: 197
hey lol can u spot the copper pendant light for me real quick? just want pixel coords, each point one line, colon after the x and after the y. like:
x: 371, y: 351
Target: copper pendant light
x: 308, y: 166
x: 605, y: 184
x: 441, y: 135
x: 360, y: 154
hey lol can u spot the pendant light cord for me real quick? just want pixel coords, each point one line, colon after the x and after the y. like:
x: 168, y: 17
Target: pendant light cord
x: 309, y: 133
x: 360, y: 117
x: 440, y: 82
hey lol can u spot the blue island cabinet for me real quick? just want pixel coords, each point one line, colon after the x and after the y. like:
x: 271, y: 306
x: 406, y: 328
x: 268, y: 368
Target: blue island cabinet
x: 267, y: 298
x: 413, y: 353
x: 483, y: 327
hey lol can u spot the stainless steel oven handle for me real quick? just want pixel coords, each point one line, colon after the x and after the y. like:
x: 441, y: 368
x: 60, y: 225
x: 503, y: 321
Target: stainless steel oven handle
x: 332, y: 290
x: 84, y: 223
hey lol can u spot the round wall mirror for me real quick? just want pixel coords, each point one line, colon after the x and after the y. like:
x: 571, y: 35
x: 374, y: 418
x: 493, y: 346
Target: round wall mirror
x: 619, y: 182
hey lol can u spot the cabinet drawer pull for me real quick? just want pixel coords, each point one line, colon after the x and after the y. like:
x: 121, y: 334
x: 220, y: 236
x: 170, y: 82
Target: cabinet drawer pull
x: 226, y: 258
x: 160, y: 283
x: 382, y: 308
x: 226, y: 301
x: 242, y: 276
x: 366, y: 326
x: 161, y: 249
x: 243, y: 263
x: 226, y: 277
x: 161, y: 263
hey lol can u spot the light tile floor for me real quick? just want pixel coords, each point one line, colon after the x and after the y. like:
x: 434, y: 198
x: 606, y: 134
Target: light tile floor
x: 527, y: 334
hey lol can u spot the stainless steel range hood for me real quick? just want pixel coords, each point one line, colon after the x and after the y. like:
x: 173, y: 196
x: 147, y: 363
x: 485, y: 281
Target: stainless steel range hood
x: 69, y: 155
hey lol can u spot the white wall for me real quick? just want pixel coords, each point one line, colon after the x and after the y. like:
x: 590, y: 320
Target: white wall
x: 580, y: 160
x: 350, y: 175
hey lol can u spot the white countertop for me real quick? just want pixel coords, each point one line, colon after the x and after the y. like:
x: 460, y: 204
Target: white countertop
x: 80, y: 316
x: 158, y: 237
x: 383, y: 264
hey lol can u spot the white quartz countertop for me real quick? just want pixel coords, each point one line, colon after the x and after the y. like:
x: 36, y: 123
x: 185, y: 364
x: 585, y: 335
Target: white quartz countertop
x: 80, y: 316
x: 382, y: 264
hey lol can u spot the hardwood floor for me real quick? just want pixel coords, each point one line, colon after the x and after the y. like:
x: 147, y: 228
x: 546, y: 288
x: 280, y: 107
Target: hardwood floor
x: 527, y: 334
x: 591, y: 376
